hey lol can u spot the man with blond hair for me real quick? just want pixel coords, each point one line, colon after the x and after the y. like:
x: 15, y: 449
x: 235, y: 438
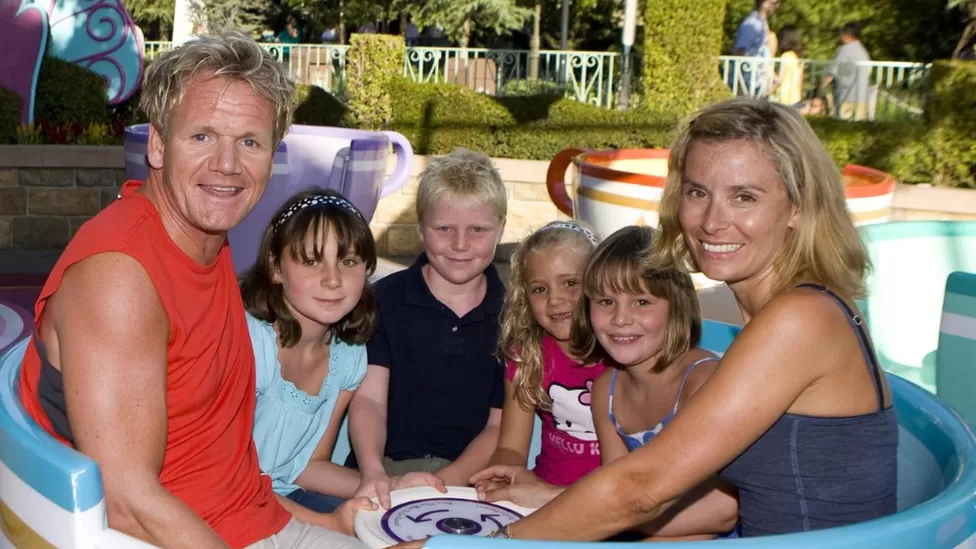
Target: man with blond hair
x: 141, y: 357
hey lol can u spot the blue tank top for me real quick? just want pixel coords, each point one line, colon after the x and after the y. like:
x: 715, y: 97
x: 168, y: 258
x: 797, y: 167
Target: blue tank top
x: 636, y: 440
x: 807, y: 473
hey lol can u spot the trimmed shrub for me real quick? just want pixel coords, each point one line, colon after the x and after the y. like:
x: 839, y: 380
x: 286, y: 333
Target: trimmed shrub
x: 372, y: 63
x: 436, y: 118
x: 10, y: 104
x: 680, y: 73
x: 67, y: 93
x: 317, y: 107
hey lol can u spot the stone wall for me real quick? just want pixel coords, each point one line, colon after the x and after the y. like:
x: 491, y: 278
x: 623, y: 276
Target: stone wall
x: 395, y: 221
x: 47, y: 192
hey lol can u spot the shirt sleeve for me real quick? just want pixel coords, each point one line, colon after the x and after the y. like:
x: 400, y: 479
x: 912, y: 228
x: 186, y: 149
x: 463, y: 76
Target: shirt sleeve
x: 498, y: 391
x: 511, y: 367
x: 356, y: 369
x: 265, y: 346
x: 749, y: 33
x: 839, y: 57
x: 378, y: 347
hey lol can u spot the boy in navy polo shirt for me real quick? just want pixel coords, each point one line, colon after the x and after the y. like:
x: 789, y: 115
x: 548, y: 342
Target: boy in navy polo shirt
x: 434, y: 388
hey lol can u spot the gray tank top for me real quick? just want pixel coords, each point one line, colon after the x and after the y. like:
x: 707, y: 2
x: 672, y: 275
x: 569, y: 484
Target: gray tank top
x: 807, y: 473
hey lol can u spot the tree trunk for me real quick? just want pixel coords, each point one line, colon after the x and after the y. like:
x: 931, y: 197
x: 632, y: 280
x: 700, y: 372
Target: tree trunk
x: 403, y: 24
x: 465, y: 34
x: 535, y: 42
x: 342, y: 26
x: 968, y: 40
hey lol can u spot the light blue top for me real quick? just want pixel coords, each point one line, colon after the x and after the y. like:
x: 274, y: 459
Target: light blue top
x: 288, y: 423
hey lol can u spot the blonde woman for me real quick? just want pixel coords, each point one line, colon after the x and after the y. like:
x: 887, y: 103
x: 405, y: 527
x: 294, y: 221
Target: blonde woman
x: 798, y: 415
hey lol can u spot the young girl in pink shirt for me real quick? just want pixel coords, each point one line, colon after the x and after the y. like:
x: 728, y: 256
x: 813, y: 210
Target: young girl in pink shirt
x: 542, y: 377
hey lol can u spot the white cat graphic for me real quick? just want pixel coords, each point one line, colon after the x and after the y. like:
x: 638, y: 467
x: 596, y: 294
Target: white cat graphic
x: 571, y: 410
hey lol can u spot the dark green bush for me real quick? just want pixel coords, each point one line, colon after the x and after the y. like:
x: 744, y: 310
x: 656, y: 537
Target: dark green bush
x: 317, y: 107
x: 67, y: 93
x: 680, y: 73
x: 436, y: 118
x: 372, y: 63
x: 10, y: 104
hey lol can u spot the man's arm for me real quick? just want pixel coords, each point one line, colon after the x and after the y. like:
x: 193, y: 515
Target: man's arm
x: 475, y: 455
x: 108, y: 332
x: 367, y: 422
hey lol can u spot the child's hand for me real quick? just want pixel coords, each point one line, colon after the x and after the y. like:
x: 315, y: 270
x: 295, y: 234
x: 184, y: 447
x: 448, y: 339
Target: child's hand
x: 515, y: 484
x: 411, y: 480
x: 344, y: 515
x: 419, y: 544
x: 377, y: 487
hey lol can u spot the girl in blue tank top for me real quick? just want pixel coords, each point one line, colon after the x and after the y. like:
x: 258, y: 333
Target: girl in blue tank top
x: 645, y: 323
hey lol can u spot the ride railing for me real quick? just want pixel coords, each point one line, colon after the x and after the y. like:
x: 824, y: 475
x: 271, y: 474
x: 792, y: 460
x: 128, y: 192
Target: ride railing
x: 891, y: 89
x: 873, y: 90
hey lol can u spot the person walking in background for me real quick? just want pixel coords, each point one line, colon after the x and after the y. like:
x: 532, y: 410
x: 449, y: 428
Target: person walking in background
x: 849, y: 76
x: 751, y: 41
x: 789, y: 88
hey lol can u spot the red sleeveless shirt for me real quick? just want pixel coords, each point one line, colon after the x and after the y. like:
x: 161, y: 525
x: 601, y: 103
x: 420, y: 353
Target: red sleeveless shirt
x: 210, y: 462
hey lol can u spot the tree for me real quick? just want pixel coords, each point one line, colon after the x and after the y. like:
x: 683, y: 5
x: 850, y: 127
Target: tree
x: 457, y: 18
x: 680, y: 51
x: 248, y: 16
x: 154, y: 17
x: 903, y: 30
x: 967, y: 42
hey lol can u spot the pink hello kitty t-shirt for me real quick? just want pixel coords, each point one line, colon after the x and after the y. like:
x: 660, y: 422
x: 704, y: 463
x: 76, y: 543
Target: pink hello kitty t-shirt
x: 569, y: 446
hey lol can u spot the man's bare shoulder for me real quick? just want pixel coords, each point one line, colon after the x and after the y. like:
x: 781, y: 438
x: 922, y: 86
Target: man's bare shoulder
x: 111, y: 289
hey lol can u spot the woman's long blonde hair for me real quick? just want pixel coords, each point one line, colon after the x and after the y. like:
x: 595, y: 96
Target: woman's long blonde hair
x: 825, y: 245
x: 520, y: 337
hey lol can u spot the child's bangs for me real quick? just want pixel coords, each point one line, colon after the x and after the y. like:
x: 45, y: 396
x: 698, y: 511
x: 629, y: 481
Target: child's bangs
x: 614, y: 276
x: 308, y: 233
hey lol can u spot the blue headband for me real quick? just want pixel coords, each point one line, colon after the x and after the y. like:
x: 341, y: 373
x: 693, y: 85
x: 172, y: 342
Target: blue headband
x: 573, y: 227
x: 315, y: 201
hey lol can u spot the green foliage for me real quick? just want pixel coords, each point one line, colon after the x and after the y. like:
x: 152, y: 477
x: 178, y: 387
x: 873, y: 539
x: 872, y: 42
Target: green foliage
x: 10, y: 104
x: 317, y: 107
x: 949, y: 146
x: 372, y: 63
x: 459, y: 17
x: 70, y: 94
x: 902, y: 30
x: 436, y: 118
x: 245, y: 15
x: 148, y: 13
x: 680, y: 72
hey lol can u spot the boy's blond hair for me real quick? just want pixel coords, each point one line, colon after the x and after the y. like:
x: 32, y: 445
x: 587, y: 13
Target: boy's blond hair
x: 462, y: 174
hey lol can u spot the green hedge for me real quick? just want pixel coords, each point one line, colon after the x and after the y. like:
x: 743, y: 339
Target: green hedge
x: 10, y: 104
x: 436, y: 118
x: 679, y: 72
x: 372, y: 63
x: 67, y: 93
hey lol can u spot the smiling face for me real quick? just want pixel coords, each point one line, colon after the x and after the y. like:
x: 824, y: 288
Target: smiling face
x: 215, y: 161
x: 459, y: 237
x: 734, y: 211
x: 321, y: 291
x: 552, y: 278
x: 631, y: 328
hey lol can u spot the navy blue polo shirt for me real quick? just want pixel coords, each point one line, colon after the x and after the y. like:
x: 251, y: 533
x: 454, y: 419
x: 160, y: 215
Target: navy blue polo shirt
x: 445, y: 374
